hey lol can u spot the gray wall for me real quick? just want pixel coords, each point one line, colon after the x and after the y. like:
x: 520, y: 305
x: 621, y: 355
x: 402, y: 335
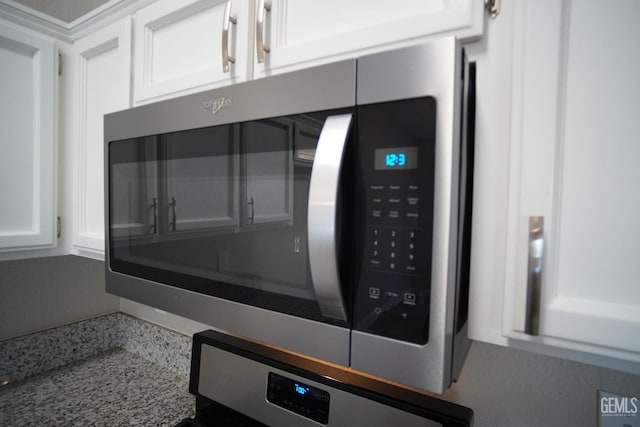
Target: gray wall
x: 41, y: 293
x: 505, y: 387
x: 67, y: 10
x: 508, y: 387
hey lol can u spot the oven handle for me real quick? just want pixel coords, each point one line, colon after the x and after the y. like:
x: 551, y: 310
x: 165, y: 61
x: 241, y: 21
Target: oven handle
x: 321, y: 220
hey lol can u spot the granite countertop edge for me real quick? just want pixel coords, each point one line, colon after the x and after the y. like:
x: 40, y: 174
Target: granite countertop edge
x: 110, y: 370
x: 32, y: 354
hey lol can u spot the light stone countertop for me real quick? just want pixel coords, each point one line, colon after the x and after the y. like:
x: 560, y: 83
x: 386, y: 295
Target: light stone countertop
x: 140, y: 378
x: 116, y: 388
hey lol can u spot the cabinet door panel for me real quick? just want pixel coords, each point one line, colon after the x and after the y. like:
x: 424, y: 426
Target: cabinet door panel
x: 135, y: 209
x: 575, y: 147
x: 301, y: 33
x: 102, y: 87
x: 179, y: 47
x: 27, y: 163
x: 201, y: 178
x: 268, y: 174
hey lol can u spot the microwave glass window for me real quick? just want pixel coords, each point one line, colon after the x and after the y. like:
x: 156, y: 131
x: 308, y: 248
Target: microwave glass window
x: 219, y: 210
x: 268, y: 171
x: 134, y: 189
x: 200, y: 177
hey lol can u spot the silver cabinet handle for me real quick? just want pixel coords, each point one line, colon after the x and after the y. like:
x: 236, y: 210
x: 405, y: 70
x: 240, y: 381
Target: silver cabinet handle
x: 172, y: 224
x: 252, y: 216
x: 227, y: 19
x: 154, y: 206
x: 534, y: 275
x: 493, y: 7
x: 321, y: 219
x: 261, y: 47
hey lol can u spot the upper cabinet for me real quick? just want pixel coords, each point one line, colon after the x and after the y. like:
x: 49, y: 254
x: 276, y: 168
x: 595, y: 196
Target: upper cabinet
x: 571, y: 269
x: 102, y: 85
x: 189, y: 45
x: 27, y: 141
x: 295, y: 34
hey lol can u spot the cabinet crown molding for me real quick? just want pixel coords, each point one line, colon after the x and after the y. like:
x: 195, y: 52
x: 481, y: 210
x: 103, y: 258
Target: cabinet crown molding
x: 69, y: 32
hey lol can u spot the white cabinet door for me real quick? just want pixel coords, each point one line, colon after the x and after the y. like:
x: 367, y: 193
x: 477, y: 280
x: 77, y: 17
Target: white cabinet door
x: 135, y: 204
x: 268, y: 172
x: 303, y: 33
x: 179, y: 47
x: 201, y: 176
x: 102, y: 86
x: 575, y: 154
x: 27, y: 141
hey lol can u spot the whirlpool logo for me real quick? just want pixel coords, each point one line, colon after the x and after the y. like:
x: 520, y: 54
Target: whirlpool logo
x: 217, y: 105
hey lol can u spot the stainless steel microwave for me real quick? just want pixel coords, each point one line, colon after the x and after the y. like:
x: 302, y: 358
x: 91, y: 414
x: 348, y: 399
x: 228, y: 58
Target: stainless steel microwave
x: 324, y: 211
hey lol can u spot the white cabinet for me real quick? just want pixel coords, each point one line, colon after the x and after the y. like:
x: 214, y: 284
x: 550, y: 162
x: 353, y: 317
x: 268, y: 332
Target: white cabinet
x: 574, y: 150
x: 103, y: 63
x: 136, y: 213
x: 303, y: 33
x: 27, y: 141
x: 179, y: 46
x: 201, y: 176
x: 268, y: 172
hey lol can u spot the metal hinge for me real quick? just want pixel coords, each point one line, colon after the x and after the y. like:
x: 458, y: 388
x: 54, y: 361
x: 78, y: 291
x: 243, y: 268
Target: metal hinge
x: 493, y: 7
x: 59, y: 64
x: 59, y: 225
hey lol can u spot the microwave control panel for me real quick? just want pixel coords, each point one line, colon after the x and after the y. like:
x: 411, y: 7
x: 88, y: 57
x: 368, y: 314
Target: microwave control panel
x: 396, y: 190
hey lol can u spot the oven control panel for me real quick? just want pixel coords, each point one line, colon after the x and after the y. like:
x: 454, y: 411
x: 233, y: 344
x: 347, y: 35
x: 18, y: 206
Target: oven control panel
x: 298, y: 397
x: 396, y: 190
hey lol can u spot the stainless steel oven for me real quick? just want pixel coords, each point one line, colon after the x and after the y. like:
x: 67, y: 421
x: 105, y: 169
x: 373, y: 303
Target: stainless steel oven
x: 324, y: 211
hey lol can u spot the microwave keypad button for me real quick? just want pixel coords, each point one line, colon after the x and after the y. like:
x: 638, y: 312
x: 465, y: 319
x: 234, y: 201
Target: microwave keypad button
x: 410, y: 298
x: 394, y: 250
x: 377, y: 187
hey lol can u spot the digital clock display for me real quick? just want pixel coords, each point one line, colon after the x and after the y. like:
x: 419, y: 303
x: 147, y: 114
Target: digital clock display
x: 396, y: 158
x: 298, y: 397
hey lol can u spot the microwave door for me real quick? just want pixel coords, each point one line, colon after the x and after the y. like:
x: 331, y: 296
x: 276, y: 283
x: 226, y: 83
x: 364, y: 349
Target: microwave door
x: 244, y: 212
x: 322, y: 216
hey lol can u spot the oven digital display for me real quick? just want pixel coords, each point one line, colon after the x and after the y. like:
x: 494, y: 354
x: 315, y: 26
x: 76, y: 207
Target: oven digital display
x: 396, y: 158
x: 298, y: 397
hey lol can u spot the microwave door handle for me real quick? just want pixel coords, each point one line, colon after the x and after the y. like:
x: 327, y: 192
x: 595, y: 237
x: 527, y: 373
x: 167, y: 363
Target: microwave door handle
x: 321, y: 220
